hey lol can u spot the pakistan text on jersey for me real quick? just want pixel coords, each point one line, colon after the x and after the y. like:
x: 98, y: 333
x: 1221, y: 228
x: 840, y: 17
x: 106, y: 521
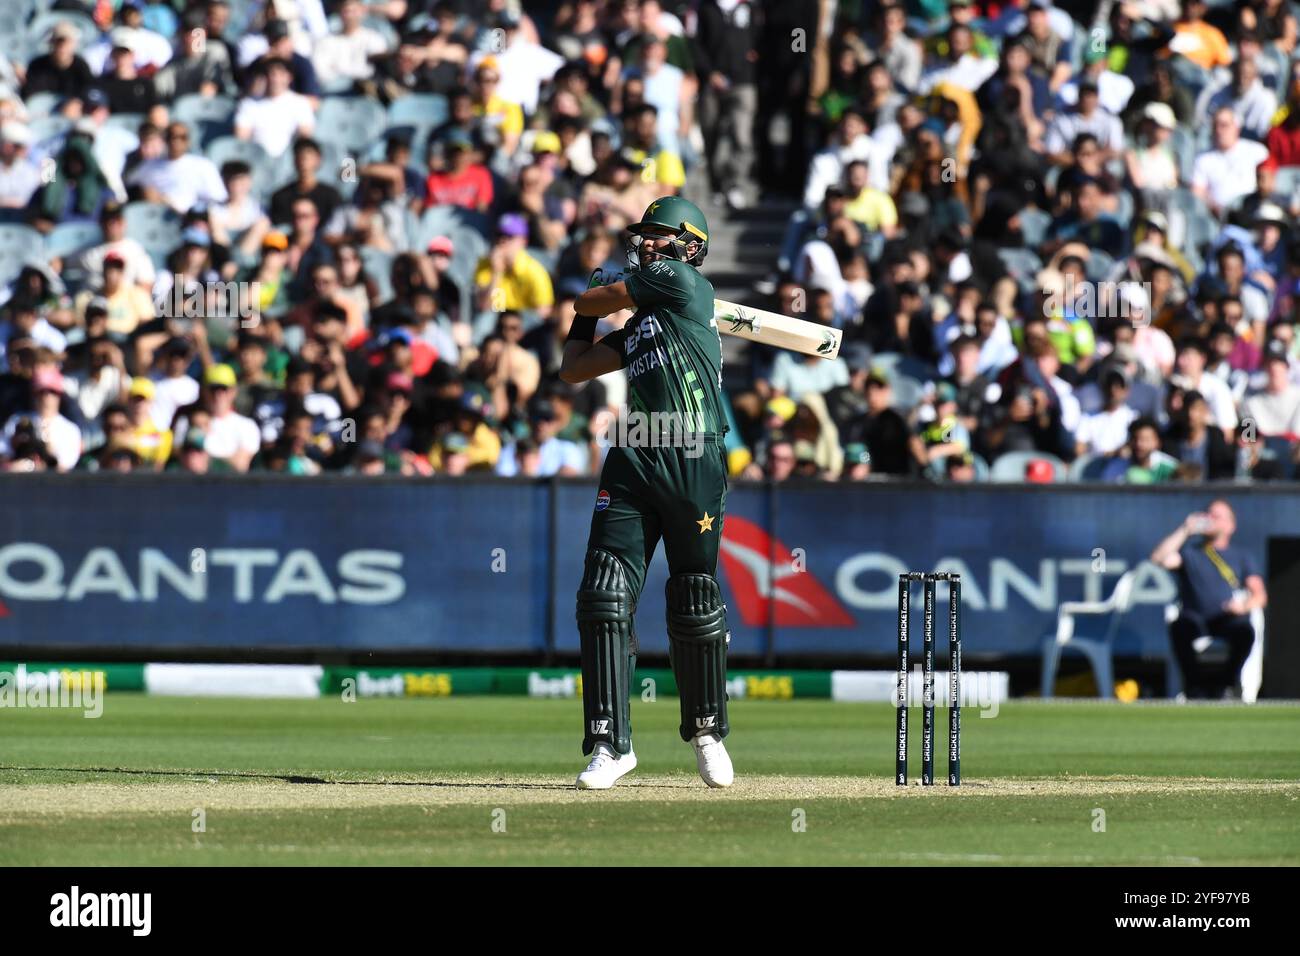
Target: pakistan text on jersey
x: 644, y: 363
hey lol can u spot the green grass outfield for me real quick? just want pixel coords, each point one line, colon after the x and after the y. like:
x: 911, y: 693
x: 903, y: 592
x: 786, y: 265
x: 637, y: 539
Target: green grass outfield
x: 436, y: 781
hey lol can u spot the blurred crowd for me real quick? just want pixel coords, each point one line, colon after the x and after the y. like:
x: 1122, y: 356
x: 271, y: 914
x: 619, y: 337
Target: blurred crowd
x: 331, y: 235
x: 1060, y: 241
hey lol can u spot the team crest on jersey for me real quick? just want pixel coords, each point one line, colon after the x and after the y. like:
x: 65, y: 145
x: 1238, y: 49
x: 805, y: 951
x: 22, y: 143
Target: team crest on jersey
x: 602, y: 500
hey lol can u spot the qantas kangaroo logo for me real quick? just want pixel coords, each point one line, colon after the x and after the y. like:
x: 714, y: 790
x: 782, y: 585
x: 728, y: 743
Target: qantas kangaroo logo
x: 762, y: 574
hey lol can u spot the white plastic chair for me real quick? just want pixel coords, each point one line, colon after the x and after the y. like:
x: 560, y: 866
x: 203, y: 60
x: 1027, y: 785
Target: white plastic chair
x: 1096, y: 649
x: 1213, y: 650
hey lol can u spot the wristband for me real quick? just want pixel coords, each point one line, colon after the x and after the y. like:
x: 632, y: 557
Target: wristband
x: 583, y: 329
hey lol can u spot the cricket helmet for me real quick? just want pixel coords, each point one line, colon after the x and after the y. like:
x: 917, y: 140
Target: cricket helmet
x: 686, y: 224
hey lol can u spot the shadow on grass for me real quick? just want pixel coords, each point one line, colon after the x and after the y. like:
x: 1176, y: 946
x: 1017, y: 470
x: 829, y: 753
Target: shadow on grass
x: 320, y: 781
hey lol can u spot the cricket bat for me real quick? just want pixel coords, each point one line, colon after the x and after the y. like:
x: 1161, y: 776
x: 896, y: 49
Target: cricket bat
x: 772, y: 328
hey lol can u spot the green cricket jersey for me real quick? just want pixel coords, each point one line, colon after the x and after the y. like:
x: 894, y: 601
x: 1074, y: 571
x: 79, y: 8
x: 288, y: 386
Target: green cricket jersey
x: 671, y: 348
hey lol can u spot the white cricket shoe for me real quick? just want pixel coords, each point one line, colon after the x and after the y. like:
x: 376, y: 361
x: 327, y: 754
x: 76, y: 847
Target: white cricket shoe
x: 712, y: 760
x: 606, y: 767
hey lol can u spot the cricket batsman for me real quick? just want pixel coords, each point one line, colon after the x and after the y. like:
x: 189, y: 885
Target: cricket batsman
x: 675, y: 490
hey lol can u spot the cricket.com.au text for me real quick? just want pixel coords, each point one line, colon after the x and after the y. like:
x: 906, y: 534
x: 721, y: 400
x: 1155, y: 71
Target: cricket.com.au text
x: 64, y: 689
x: 78, y: 909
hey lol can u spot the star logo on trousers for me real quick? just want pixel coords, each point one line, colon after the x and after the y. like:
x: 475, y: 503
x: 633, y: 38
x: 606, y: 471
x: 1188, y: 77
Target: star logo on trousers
x: 705, y: 523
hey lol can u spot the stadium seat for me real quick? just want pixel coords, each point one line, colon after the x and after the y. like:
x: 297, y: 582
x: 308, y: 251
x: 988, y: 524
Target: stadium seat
x: 544, y: 256
x: 477, y: 221
x: 1034, y: 224
x: 435, y: 221
x: 350, y: 122
x: 1051, y: 178
x: 127, y: 121
x: 48, y: 127
x: 1191, y: 225
x: 211, y: 116
x: 418, y: 109
x: 1100, y: 265
x: 1009, y: 468
x: 1183, y: 143
x: 15, y: 45
x: 242, y: 15
x: 1078, y: 41
x: 908, y: 392
x: 1281, y: 450
x: 411, y: 226
x: 13, y: 18
x: 10, y: 265
x: 1087, y: 468
x: 19, y: 244
x: 1213, y: 650
x: 886, y: 362
x: 1124, y: 214
x: 69, y: 238
x: 1098, y: 649
x: 1189, y: 75
x: 469, y: 247
x: 154, y: 226
x: 379, y: 266
x: 1275, y: 79
x: 416, y: 136
x: 223, y: 149
x: 42, y: 104
x: 21, y: 239
x: 1023, y: 266
x: 383, y: 27
x: 1288, y: 180
x: 38, y: 31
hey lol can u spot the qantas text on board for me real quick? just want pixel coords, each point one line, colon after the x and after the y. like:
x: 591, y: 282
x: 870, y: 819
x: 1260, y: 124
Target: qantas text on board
x: 36, y: 572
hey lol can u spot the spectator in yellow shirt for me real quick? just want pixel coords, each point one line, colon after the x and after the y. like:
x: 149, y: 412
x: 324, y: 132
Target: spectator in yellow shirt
x: 871, y: 208
x: 508, y: 278
x: 152, y: 444
x: 658, y: 165
x: 471, y: 445
x: 505, y: 117
x: 128, y: 304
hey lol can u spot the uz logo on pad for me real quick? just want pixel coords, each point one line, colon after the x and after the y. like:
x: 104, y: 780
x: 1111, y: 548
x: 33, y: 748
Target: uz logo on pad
x: 600, y: 726
x: 703, y: 723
